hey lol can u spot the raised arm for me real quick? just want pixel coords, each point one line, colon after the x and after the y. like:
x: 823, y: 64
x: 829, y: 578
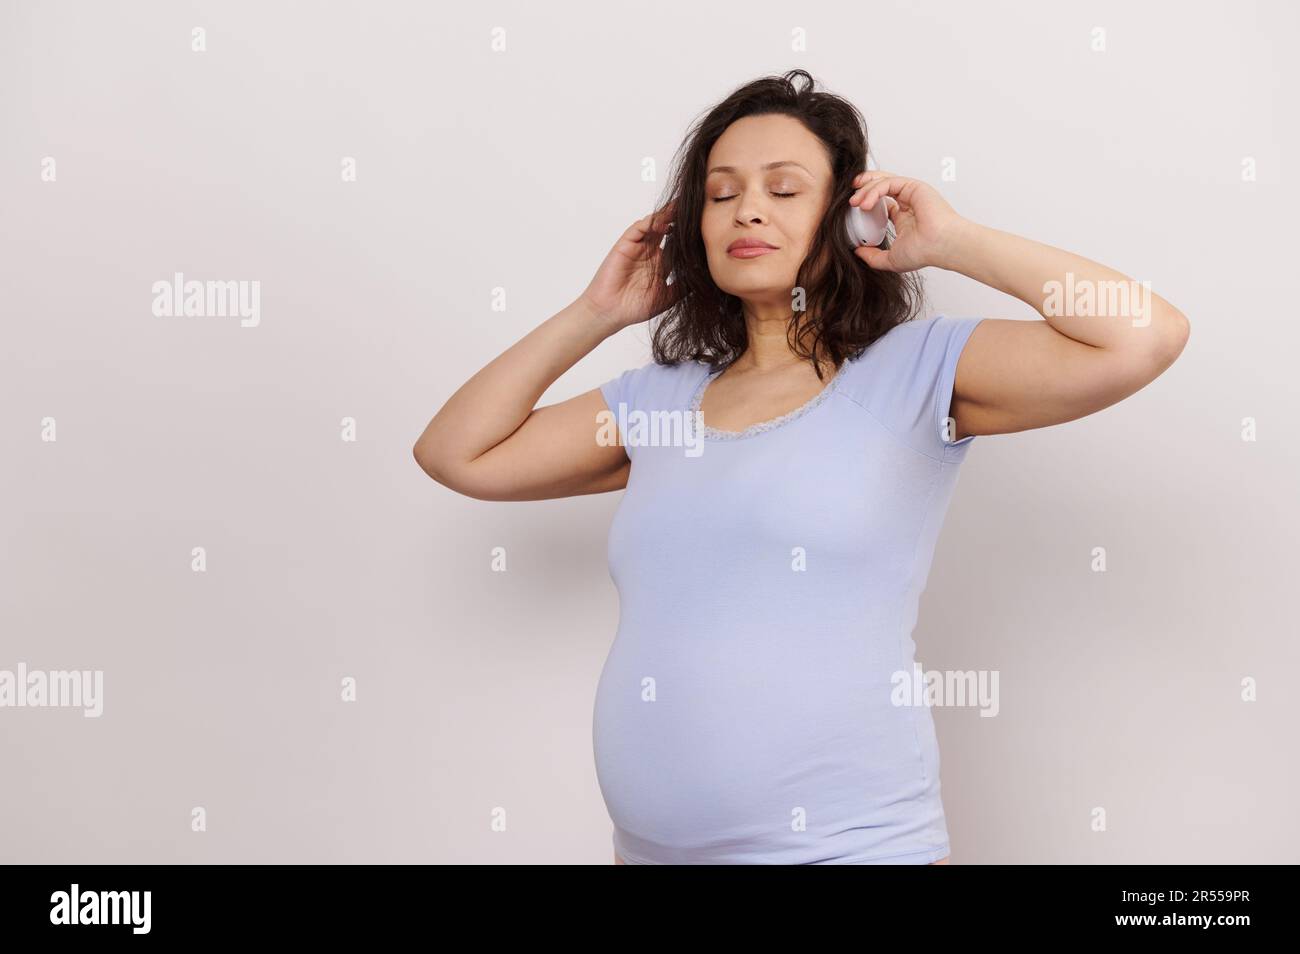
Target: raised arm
x: 491, y: 442
x: 1104, y: 336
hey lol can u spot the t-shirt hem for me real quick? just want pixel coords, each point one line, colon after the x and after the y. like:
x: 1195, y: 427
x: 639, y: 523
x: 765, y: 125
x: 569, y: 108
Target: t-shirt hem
x: 931, y: 855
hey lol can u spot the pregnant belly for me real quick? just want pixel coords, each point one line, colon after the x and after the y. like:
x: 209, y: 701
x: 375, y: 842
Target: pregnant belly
x: 711, y: 747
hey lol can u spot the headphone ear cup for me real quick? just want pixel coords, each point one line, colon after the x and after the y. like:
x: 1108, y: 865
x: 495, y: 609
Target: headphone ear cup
x: 850, y: 226
x: 868, y: 227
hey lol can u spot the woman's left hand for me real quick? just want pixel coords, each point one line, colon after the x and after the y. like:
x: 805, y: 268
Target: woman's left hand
x: 923, y: 222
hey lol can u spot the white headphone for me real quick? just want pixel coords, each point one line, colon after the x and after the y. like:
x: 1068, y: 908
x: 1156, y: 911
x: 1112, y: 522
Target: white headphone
x: 869, y: 226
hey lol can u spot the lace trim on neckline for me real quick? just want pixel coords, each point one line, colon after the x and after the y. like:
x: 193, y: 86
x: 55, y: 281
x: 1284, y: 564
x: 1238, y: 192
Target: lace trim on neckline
x: 713, y: 433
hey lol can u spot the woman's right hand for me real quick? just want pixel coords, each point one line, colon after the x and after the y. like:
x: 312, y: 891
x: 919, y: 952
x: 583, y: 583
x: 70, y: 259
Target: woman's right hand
x: 629, y: 288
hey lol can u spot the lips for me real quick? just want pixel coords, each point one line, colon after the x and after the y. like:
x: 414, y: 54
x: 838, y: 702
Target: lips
x: 749, y: 248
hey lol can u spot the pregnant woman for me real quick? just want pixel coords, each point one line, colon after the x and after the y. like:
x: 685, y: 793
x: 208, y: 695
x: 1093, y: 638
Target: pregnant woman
x: 788, y: 457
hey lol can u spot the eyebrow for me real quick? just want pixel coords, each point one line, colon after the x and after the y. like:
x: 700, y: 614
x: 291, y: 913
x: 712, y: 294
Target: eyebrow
x: 770, y: 165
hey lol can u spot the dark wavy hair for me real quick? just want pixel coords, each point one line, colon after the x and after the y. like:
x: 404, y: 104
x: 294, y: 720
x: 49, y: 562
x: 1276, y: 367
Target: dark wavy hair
x: 847, y: 304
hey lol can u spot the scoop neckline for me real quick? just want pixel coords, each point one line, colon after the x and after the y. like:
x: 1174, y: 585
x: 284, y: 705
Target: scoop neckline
x: 761, y: 427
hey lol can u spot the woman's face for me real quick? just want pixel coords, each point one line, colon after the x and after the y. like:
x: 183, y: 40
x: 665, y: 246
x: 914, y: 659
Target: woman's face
x: 768, y: 180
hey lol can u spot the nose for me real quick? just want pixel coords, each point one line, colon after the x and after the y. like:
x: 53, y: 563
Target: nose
x: 749, y: 210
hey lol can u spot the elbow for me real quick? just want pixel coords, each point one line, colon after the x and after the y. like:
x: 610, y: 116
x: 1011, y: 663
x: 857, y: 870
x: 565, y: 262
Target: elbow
x: 454, y: 477
x: 1180, y: 330
x: 1171, y: 331
x: 427, y: 461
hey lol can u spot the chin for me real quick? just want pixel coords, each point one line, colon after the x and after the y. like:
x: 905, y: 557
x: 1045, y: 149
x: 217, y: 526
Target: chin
x: 750, y: 278
x: 742, y: 288
x: 767, y: 281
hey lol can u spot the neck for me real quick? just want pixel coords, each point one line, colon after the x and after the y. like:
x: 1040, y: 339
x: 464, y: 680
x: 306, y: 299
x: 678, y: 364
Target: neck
x: 768, y: 347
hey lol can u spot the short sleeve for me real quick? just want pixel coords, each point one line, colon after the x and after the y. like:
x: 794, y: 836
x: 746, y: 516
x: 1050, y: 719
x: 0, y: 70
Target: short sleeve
x: 638, y: 395
x: 906, y: 381
x: 647, y: 389
x: 618, y: 393
x: 616, y: 390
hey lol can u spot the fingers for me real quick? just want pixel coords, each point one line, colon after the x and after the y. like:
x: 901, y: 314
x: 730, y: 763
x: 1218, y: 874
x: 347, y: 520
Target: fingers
x: 652, y: 224
x: 876, y: 258
x: 874, y: 190
x: 874, y: 184
x: 662, y: 219
x: 869, y: 174
x: 635, y: 232
x: 862, y: 179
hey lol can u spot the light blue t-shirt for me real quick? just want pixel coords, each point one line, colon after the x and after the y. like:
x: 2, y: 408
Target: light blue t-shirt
x: 768, y: 582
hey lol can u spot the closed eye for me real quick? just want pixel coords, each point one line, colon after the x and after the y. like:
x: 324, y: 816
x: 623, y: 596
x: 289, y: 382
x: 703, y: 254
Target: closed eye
x: 780, y: 195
